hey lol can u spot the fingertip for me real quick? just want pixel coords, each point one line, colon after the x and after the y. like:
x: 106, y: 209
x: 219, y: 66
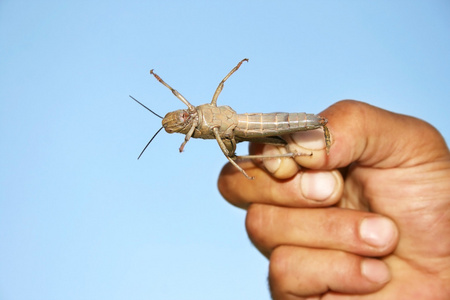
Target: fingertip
x: 280, y: 167
x: 379, y: 232
x: 375, y: 270
x: 322, y: 186
x: 311, y: 146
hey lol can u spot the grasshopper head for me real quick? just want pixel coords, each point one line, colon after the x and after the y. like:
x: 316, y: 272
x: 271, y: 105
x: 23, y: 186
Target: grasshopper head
x: 178, y: 121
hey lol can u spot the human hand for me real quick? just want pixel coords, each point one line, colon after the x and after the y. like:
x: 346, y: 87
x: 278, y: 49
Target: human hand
x: 379, y: 228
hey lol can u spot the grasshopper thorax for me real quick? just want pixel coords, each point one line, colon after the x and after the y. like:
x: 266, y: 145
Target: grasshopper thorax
x: 179, y: 121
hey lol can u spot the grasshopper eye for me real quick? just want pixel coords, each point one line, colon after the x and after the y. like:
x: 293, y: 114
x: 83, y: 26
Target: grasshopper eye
x: 176, y: 121
x: 185, y: 116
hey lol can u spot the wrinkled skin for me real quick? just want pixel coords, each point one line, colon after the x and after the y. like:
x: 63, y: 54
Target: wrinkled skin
x: 369, y: 221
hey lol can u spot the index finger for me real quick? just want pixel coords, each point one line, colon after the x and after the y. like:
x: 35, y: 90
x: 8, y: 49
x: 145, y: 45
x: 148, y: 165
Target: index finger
x: 312, y: 188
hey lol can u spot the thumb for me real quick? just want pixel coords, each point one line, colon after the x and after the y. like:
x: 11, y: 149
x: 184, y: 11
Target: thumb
x: 367, y: 135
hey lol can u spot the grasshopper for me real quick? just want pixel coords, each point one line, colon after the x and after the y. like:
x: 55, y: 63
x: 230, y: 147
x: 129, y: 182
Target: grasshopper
x: 222, y: 123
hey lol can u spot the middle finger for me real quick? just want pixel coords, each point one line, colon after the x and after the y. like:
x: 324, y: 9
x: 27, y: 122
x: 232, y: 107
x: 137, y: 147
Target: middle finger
x: 354, y: 231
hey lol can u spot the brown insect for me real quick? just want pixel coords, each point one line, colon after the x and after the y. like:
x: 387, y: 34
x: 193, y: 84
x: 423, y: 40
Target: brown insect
x: 222, y: 123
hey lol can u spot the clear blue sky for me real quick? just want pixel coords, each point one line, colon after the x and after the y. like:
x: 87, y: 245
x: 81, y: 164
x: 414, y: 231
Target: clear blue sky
x: 81, y: 218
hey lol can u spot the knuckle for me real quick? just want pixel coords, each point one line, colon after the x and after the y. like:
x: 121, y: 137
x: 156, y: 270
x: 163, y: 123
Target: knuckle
x: 350, y: 107
x: 279, y: 263
x: 255, y: 222
x: 279, y: 269
x: 262, y: 223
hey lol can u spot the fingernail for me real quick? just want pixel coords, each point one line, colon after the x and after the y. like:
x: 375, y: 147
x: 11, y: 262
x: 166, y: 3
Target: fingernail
x: 271, y: 164
x: 377, y: 231
x: 311, y: 139
x: 317, y: 185
x: 375, y: 270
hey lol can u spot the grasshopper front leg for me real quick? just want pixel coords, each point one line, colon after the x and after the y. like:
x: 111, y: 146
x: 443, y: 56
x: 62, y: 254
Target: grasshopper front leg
x: 189, y: 135
x: 227, y: 153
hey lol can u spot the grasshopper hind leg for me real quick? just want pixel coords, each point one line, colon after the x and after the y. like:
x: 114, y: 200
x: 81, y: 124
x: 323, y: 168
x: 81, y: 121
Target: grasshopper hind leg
x: 239, y: 168
x: 267, y: 156
x: 228, y: 149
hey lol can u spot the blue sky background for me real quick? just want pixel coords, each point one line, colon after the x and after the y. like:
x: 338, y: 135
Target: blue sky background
x: 81, y: 218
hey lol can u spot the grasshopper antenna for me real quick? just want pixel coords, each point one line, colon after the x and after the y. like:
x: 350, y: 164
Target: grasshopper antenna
x: 149, y: 142
x: 146, y: 108
x: 156, y: 132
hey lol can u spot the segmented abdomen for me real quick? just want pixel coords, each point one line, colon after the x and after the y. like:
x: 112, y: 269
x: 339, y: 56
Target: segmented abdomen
x: 272, y: 124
